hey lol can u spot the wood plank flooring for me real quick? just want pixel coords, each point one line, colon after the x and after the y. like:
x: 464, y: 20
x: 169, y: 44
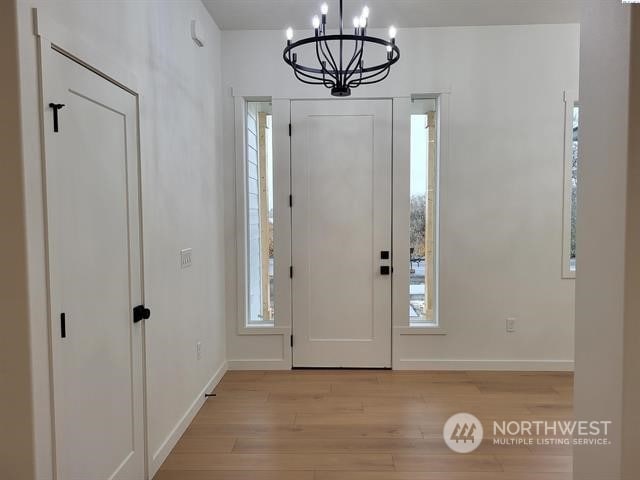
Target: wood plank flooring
x: 368, y: 425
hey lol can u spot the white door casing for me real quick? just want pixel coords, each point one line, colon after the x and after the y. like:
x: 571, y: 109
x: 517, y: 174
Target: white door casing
x: 341, y: 222
x: 95, y: 275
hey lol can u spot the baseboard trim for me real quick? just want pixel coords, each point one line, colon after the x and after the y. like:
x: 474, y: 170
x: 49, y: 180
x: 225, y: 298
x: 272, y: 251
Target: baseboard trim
x: 496, y: 365
x: 268, y: 364
x: 163, y: 452
x: 429, y: 364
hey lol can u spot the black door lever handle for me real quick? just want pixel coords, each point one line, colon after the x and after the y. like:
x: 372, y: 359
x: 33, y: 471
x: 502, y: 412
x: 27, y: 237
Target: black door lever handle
x: 141, y: 313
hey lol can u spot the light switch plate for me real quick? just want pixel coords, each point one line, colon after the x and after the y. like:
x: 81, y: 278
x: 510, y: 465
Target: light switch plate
x: 185, y: 258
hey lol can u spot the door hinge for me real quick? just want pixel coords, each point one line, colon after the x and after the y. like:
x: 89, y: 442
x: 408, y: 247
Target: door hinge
x: 63, y: 325
x: 291, y: 200
x: 55, y: 107
x: 292, y: 340
x: 141, y: 313
x: 289, y: 129
x: 291, y: 272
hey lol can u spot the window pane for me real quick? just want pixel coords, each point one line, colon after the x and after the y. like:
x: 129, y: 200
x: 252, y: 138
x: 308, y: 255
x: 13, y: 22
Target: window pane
x: 422, y: 218
x: 574, y: 187
x: 259, y: 188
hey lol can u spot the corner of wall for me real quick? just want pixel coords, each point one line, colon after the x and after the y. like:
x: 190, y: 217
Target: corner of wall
x: 157, y: 458
x: 17, y: 450
x: 601, y: 225
x: 631, y: 381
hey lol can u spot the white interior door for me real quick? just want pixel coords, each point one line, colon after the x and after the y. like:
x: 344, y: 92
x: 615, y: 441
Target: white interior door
x: 93, y: 225
x: 341, y: 224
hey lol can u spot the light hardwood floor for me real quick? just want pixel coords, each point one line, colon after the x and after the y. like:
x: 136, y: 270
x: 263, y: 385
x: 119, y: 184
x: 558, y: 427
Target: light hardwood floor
x: 368, y: 425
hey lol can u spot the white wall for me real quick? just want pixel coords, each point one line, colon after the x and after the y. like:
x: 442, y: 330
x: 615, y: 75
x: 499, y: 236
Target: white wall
x: 148, y: 44
x: 501, y: 186
x: 602, y: 224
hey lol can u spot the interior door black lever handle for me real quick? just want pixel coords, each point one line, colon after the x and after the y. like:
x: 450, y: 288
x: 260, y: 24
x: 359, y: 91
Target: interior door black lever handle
x: 141, y: 313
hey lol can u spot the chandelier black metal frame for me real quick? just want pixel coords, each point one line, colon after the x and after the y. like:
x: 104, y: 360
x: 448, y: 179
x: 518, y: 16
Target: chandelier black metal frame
x: 334, y: 70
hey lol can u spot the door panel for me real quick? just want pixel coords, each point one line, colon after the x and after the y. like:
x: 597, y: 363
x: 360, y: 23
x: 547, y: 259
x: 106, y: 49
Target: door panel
x: 95, y: 280
x: 341, y: 184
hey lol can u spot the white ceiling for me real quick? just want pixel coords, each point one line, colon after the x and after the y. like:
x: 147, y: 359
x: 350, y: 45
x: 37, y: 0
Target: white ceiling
x: 278, y: 14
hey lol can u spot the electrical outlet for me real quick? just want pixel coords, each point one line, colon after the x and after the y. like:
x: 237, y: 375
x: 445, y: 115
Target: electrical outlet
x: 199, y: 350
x: 511, y: 325
x: 185, y: 258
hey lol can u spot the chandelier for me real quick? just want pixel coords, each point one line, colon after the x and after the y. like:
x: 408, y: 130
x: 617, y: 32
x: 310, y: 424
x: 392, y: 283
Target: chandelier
x: 340, y: 63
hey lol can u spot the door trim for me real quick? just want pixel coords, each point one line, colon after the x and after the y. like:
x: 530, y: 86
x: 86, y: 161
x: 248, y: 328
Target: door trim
x: 84, y: 50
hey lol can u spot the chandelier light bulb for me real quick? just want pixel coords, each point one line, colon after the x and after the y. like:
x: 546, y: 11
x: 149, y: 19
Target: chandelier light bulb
x: 356, y: 22
x: 363, y: 21
x: 392, y: 32
x: 316, y: 22
x: 324, y: 9
x: 365, y: 12
x: 289, y: 33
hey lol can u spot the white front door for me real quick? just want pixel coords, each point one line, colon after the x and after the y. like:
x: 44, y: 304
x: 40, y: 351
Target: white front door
x: 341, y: 232
x: 94, y: 252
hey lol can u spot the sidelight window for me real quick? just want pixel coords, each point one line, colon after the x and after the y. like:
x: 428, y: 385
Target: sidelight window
x: 571, y: 165
x: 423, y: 214
x: 259, y: 215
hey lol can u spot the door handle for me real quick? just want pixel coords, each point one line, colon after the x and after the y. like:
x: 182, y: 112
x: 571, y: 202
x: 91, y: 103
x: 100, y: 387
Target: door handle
x: 140, y: 313
x: 385, y: 269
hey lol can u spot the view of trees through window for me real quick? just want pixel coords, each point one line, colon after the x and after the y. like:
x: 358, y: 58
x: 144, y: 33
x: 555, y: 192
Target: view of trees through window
x: 422, y: 221
x: 574, y: 187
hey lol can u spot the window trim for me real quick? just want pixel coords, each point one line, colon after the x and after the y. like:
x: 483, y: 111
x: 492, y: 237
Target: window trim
x: 281, y: 184
x: 570, y: 99
x: 401, y: 190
